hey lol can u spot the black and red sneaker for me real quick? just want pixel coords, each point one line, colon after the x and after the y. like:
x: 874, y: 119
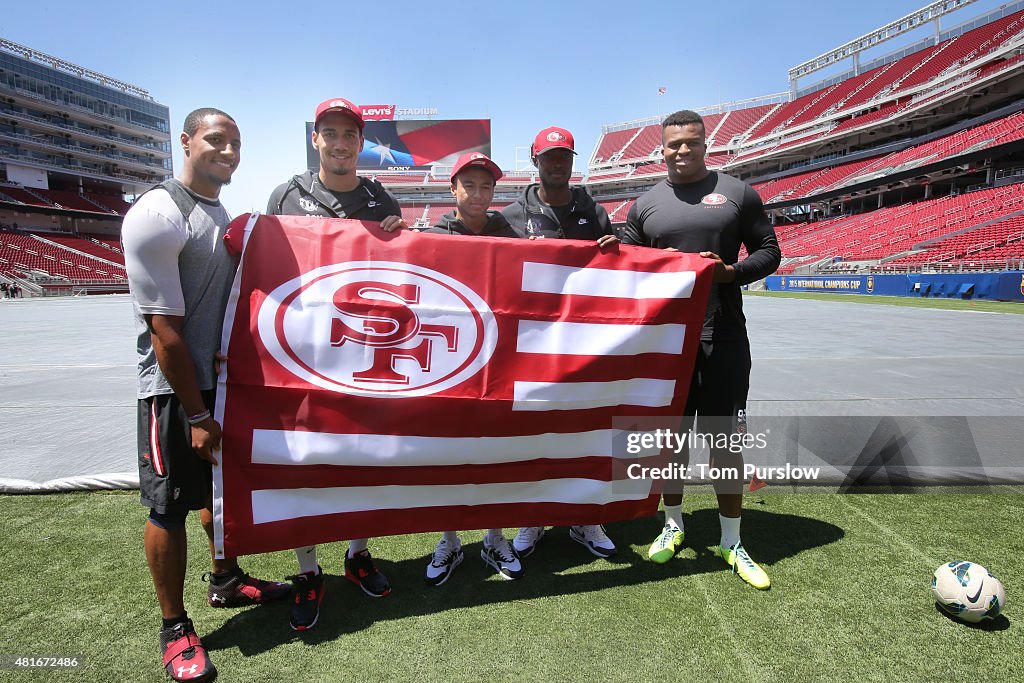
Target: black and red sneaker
x: 361, y: 571
x: 308, y: 594
x: 242, y: 590
x: 184, y: 656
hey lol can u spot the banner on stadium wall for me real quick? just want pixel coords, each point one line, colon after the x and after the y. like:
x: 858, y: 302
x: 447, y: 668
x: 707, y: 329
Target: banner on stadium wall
x: 409, y: 145
x: 399, y: 383
x: 853, y: 284
x: 1004, y: 286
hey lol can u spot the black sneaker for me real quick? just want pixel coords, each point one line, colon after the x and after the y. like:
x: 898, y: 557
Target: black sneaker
x: 184, y: 656
x: 361, y: 571
x: 242, y: 590
x: 309, y: 593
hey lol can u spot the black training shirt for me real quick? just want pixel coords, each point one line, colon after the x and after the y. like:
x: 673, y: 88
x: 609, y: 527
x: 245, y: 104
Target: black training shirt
x: 305, y: 195
x: 496, y: 226
x: 718, y: 213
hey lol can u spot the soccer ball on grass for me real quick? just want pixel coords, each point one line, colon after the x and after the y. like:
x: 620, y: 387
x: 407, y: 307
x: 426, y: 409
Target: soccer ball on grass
x: 967, y: 591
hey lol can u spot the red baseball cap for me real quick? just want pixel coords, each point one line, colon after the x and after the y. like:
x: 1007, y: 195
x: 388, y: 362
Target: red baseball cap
x: 477, y: 160
x: 339, y: 104
x: 553, y: 138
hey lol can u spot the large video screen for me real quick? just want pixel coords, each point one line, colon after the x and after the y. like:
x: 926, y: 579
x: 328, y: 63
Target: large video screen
x: 414, y: 145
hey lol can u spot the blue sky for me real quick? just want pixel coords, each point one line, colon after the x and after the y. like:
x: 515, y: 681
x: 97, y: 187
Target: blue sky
x: 525, y: 65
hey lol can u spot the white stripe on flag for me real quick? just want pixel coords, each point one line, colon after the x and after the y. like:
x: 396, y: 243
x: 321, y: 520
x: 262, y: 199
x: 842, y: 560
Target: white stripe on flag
x: 275, y: 505
x: 623, y: 284
x: 277, y: 447
x: 597, y: 339
x: 641, y: 391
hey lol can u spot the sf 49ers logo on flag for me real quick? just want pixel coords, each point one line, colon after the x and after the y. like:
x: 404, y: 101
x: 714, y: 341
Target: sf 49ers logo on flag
x: 397, y: 383
x: 384, y: 329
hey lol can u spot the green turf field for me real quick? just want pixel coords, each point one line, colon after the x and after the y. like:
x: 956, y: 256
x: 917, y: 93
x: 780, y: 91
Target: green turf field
x: 913, y: 302
x: 850, y: 600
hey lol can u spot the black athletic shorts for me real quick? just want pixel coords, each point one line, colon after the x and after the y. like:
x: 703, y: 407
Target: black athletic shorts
x: 172, y: 478
x: 718, y: 390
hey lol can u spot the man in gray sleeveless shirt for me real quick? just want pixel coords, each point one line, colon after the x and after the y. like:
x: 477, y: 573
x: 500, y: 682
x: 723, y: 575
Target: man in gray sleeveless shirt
x: 180, y: 274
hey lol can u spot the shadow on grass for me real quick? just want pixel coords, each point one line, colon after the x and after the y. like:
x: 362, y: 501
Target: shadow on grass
x: 770, y: 537
x: 1000, y: 623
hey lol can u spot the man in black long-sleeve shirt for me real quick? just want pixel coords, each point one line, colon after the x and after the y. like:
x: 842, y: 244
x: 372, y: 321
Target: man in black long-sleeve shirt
x: 697, y: 210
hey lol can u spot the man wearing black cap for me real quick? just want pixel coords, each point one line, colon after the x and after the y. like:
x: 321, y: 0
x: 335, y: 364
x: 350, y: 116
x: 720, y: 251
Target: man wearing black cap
x: 335, y: 191
x: 473, y: 179
x: 553, y: 209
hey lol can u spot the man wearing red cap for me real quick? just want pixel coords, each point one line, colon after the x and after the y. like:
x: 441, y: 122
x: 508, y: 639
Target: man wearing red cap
x: 473, y: 179
x: 335, y: 191
x: 553, y: 209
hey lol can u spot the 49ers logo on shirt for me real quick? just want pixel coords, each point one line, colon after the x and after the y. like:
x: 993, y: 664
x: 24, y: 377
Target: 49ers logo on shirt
x: 378, y: 329
x: 714, y: 199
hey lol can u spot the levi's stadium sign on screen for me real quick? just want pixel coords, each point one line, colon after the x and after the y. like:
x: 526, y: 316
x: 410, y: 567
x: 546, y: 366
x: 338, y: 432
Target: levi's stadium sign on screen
x: 414, y: 145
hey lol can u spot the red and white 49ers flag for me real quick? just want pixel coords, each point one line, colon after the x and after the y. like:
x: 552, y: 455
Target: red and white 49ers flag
x: 396, y: 383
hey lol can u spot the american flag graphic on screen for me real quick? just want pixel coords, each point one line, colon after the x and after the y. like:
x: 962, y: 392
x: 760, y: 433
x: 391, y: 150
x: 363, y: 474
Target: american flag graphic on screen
x: 414, y: 144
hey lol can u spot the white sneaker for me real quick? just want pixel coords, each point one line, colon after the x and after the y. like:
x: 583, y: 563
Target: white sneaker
x: 502, y: 558
x: 594, y: 539
x: 527, y: 539
x: 446, y: 558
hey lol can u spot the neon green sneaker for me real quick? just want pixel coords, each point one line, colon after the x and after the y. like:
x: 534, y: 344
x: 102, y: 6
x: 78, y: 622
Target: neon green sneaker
x: 737, y: 558
x: 666, y: 544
